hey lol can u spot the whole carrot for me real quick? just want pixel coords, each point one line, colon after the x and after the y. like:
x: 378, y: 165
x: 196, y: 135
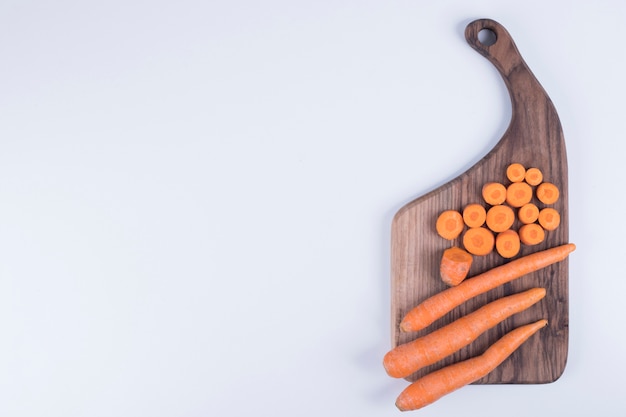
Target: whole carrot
x: 443, y: 302
x: 405, y: 359
x: 435, y: 385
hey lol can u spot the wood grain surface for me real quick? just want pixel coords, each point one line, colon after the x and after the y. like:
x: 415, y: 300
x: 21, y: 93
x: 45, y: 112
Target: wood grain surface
x: 534, y: 138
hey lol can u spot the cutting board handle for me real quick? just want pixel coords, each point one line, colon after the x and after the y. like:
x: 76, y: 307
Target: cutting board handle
x: 497, y: 45
x: 524, y: 89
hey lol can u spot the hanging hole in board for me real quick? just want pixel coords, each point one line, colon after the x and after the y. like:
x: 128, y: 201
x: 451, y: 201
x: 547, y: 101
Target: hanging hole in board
x: 487, y: 37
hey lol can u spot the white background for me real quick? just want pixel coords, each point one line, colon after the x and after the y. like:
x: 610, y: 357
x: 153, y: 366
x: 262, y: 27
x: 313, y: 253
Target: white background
x: 196, y: 198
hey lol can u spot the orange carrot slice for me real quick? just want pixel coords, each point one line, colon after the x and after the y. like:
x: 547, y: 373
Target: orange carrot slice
x: 549, y: 218
x: 533, y: 176
x: 494, y: 193
x: 474, y: 215
x: 515, y: 172
x: 478, y: 241
x: 508, y: 243
x: 500, y: 218
x: 547, y: 193
x: 528, y: 213
x: 531, y: 234
x: 518, y: 194
x: 449, y: 224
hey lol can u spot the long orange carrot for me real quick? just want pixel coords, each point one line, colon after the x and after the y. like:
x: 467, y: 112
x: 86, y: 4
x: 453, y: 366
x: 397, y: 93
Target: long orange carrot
x: 443, y: 302
x: 410, y: 357
x: 435, y: 385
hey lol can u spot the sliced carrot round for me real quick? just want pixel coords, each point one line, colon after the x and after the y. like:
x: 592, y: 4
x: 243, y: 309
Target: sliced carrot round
x: 449, y: 224
x: 518, y: 194
x: 533, y: 176
x: 528, y: 213
x: 549, y: 218
x: 547, y: 193
x: 474, y: 215
x: 494, y: 193
x: 531, y: 234
x: 508, y: 243
x: 500, y: 218
x: 515, y: 172
x: 478, y: 241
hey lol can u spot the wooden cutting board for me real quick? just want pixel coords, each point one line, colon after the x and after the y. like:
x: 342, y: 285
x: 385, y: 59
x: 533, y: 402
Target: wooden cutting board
x: 534, y: 138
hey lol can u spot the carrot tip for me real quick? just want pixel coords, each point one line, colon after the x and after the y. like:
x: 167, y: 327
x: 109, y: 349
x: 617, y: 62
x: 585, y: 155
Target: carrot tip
x: 405, y: 327
x: 401, y: 407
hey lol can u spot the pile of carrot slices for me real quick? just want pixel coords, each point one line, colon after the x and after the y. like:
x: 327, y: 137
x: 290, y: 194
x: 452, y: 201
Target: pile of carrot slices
x: 510, y: 216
